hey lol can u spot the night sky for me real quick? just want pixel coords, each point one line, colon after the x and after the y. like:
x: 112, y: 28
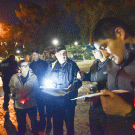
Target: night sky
x: 8, y: 7
x: 7, y: 15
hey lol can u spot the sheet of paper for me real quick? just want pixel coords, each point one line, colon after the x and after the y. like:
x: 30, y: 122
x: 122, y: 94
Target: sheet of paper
x: 98, y: 94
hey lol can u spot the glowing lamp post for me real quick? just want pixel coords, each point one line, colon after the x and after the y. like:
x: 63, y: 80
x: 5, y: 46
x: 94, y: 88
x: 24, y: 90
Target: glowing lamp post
x: 55, y: 42
x: 18, y: 51
x: 76, y: 43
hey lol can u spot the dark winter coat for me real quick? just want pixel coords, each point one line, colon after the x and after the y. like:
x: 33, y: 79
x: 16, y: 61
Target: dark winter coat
x: 122, y: 76
x: 39, y: 69
x: 63, y: 76
x: 8, y: 68
x: 98, y: 73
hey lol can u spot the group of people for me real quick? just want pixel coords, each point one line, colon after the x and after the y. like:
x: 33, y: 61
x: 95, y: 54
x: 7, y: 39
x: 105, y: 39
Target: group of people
x: 113, y: 69
x: 24, y: 89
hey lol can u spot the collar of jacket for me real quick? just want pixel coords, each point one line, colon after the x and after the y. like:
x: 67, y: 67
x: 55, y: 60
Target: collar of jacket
x: 56, y: 62
x: 30, y: 74
x: 129, y: 55
x: 36, y: 61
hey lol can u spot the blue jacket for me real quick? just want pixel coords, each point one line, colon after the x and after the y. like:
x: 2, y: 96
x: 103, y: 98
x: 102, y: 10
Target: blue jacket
x: 64, y: 75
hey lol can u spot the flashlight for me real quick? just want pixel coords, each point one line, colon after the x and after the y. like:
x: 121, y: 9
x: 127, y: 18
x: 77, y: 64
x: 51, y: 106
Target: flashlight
x: 50, y: 84
x: 24, y: 100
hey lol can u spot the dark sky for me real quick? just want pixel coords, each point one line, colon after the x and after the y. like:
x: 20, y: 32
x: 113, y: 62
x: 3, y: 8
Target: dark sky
x: 8, y: 7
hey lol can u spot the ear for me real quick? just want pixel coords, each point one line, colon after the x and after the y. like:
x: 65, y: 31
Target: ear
x: 120, y: 33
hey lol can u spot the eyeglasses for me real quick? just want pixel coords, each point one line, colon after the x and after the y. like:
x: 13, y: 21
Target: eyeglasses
x: 24, y: 66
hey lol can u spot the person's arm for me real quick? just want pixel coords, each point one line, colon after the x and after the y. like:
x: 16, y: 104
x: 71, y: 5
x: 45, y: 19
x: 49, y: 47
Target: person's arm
x: 76, y: 82
x: 12, y: 87
x: 114, y: 104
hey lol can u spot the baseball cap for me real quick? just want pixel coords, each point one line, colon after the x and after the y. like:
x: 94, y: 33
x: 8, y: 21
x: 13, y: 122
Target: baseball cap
x: 34, y: 51
x: 59, y: 48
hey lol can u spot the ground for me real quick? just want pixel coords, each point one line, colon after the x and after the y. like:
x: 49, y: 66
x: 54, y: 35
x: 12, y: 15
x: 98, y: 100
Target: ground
x: 8, y: 124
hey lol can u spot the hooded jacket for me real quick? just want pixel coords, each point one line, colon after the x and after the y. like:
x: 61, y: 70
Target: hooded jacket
x: 23, y: 92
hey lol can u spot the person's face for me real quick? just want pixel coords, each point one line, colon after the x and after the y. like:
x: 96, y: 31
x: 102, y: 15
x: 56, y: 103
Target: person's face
x: 112, y: 48
x: 24, y: 68
x: 35, y: 56
x: 97, y: 54
x: 61, y: 56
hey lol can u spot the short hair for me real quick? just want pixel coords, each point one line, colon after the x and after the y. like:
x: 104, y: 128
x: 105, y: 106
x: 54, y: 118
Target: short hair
x: 36, y: 51
x: 11, y: 56
x: 20, y: 62
x: 105, y: 28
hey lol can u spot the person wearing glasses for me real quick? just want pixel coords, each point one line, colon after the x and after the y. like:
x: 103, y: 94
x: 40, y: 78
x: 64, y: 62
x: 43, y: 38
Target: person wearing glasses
x: 116, y: 40
x: 98, y: 76
x: 22, y: 86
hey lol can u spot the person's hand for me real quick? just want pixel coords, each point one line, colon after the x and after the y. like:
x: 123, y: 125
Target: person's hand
x: 114, y: 104
x: 80, y: 74
x: 71, y: 88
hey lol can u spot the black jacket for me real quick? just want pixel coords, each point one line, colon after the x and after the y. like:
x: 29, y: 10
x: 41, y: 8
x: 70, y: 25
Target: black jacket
x: 39, y: 69
x: 122, y: 76
x: 8, y: 68
x: 98, y: 73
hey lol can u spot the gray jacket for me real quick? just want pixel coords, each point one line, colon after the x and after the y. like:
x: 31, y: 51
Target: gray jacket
x: 27, y: 91
x: 122, y: 76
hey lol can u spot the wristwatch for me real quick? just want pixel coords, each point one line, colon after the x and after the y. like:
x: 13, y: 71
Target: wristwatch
x: 130, y: 117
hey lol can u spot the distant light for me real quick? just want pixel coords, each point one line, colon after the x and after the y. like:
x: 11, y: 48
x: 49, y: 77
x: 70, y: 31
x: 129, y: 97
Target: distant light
x: 17, y: 51
x: 134, y: 102
x: 76, y: 43
x: 133, y: 126
x: 55, y: 42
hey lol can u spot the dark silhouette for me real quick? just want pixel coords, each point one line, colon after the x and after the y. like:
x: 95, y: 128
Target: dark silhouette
x: 8, y: 125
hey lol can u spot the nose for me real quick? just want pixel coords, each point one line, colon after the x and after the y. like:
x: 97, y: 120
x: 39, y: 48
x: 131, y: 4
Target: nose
x: 105, y: 53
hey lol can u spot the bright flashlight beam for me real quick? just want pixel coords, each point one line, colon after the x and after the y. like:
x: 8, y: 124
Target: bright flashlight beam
x: 49, y: 84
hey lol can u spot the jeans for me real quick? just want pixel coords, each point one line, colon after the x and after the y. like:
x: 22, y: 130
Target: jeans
x: 60, y: 114
x: 21, y: 119
x: 41, y: 110
x: 98, y: 121
x: 6, y: 90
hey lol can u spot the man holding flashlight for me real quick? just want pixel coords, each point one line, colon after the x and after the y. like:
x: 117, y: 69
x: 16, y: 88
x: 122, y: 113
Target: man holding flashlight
x: 63, y: 73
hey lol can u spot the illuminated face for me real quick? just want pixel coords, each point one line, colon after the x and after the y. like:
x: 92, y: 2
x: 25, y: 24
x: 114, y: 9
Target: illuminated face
x: 24, y: 68
x: 61, y: 56
x: 112, y: 48
x: 35, y: 56
x: 97, y: 54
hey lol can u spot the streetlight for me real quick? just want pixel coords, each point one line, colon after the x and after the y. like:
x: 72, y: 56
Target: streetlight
x: 76, y: 43
x: 55, y: 42
x: 18, y: 51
